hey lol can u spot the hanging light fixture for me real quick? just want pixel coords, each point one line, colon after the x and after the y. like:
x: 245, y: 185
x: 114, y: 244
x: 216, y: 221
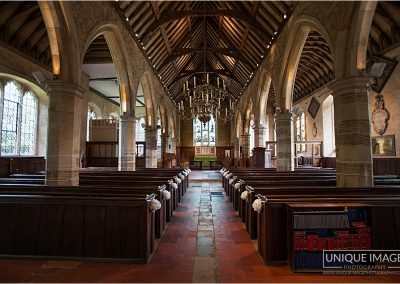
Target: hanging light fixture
x: 205, y: 98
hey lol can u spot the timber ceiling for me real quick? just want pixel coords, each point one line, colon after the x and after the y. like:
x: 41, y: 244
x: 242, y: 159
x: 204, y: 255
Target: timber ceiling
x: 385, y: 29
x: 225, y: 38
x: 315, y: 67
x: 183, y: 39
x: 22, y: 27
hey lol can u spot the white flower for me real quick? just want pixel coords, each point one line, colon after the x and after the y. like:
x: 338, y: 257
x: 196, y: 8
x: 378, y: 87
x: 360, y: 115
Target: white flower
x: 257, y: 205
x: 155, y: 205
x: 185, y: 173
x: 189, y: 170
x: 181, y: 176
x: 232, y: 180
x: 177, y: 180
x: 174, y: 185
x: 244, y: 195
x: 167, y: 194
x: 237, y: 185
x: 229, y: 175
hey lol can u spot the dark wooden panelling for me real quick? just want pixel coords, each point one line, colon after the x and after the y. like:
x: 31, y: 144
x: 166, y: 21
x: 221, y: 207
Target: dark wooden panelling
x: 93, y: 234
x: 27, y: 229
x: 27, y: 165
x: 72, y: 231
x: 49, y: 240
x: 8, y: 222
x: 4, y: 167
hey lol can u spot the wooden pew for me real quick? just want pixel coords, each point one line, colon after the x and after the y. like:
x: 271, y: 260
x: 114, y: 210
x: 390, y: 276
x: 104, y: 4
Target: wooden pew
x: 143, y: 190
x: 76, y: 225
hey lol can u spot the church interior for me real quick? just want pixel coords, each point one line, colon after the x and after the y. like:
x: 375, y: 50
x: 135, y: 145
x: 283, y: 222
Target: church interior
x: 199, y: 141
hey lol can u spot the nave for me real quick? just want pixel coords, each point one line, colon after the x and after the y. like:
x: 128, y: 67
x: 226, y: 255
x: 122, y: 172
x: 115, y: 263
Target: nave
x: 205, y: 242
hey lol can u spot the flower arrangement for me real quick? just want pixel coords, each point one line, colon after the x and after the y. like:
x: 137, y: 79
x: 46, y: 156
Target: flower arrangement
x: 172, y: 184
x: 257, y: 205
x: 155, y: 205
x: 244, y: 195
x: 181, y: 176
x: 237, y: 185
x: 167, y: 194
x: 177, y: 180
x: 233, y: 179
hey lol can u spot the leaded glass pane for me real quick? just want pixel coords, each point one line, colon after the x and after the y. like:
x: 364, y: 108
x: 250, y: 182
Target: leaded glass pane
x: 12, y: 93
x: 28, y: 124
x: 204, y: 134
x: 159, y: 140
x: 140, y: 133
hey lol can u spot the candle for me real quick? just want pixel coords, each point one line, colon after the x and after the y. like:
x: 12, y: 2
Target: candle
x: 194, y: 81
x: 190, y: 101
x: 208, y: 80
x: 217, y: 82
x: 226, y: 112
x: 230, y: 103
x: 223, y: 83
x: 219, y: 102
x: 184, y: 88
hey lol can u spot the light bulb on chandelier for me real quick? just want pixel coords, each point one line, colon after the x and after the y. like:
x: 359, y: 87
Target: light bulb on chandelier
x: 205, y: 100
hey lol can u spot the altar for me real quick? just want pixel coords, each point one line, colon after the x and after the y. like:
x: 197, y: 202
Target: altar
x: 205, y: 154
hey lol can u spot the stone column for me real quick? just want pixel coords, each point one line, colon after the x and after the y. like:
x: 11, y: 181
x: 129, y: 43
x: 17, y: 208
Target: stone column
x: 151, y: 147
x: 64, y: 133
x: 259, y: 136
x: 165, y: 143
x: 127, y: 143
x: 284, y: 141
x: 352, y: 132
x: 236, y: 152
x: 245, y: 145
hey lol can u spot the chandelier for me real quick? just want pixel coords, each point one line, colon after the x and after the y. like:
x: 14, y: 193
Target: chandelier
x: 205, y: 100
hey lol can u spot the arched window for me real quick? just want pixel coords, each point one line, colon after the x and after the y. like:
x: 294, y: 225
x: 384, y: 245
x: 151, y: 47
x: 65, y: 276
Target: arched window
x: 328, y: 127
x: 18, y: 121
x: 252, y: 136
x: 159, y: 139
x: 90, y: 116
x: 28, y: 124
x: 140, y: 130
x: 204, y: 134
x: 300, y: 132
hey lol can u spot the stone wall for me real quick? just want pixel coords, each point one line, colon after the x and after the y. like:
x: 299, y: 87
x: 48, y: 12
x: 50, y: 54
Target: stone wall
x: 392, y: 104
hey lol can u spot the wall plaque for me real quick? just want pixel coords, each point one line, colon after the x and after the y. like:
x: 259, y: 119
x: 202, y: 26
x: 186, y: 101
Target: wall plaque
x: 380, y: 115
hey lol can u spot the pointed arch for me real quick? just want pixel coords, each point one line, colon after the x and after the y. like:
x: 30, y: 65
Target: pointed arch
x: 62, y: 38
x: 297, y: 38
x: 119, y: 54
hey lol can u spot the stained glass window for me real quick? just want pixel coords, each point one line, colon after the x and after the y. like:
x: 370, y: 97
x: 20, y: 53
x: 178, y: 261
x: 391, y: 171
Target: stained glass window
x: 159, y: 139
x: 251, y: 130
x: 204, y: 134
x: 300, y: 132
x: 28, y: 124
x: 140, y: 133
x: 12, y: 97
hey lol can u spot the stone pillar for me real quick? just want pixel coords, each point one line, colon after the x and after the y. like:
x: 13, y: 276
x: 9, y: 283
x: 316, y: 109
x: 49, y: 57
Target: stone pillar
x: 236, y: 151
x: 352, y: 132
x: 64, y: 133
x: 245, y: 145
x: 151, y: 147
x: 127, y: 143
x: 165, y: 143
x: 259, y: 136
x: 284, y: 141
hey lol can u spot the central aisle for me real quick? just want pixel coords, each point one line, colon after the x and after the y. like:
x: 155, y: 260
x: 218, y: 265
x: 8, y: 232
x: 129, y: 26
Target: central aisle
x: 205, y: 242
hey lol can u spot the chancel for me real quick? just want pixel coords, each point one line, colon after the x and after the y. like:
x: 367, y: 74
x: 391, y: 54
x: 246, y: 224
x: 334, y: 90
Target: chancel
x: 199, y: 141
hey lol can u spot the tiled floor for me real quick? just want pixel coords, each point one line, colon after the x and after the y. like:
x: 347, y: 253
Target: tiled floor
x: 206, y: 242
